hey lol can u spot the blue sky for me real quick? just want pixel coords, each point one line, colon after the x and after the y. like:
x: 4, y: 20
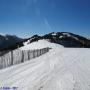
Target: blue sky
x: 28, y: 17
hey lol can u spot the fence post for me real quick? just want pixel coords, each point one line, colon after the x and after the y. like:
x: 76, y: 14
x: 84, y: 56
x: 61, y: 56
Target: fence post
x: 1, y: 63
x: 47, y: 49
x: 33, y: 53
x: 43, y: 50
x: 29, y: 55
x: 11, y: 57
x: 22, y: 57
x: 38, y: 51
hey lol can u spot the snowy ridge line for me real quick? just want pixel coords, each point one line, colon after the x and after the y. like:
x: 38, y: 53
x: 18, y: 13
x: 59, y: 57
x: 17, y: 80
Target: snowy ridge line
x: 19, y: 56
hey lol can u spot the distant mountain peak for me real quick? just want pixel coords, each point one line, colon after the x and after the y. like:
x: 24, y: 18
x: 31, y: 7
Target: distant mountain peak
x: 9, y: 42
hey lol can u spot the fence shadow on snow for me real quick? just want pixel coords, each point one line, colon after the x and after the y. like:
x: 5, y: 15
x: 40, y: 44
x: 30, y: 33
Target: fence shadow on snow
x: 19, y: 56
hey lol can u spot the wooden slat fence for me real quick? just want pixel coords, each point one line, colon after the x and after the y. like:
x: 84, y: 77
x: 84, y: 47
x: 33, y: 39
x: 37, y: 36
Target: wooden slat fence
x: 19, y: 56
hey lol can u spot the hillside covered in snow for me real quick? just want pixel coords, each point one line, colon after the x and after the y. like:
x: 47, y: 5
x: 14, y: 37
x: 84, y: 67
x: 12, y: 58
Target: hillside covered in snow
x: 66, y: 39
x: 59, y: 69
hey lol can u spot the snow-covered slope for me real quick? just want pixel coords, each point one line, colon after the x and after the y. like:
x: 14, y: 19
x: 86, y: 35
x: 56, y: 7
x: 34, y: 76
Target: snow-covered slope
x: 40, y: 44
x: 59, y: 69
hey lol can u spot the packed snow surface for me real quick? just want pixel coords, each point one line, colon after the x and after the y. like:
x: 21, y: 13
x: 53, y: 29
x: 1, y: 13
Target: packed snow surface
x: 59, y: 69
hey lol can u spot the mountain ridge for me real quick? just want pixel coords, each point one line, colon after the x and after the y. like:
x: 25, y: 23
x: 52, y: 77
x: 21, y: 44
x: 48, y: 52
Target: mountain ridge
x: 67, y: 39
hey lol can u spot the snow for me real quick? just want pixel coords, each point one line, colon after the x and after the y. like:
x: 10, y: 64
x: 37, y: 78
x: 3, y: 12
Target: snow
x: 54, y: 34
x: 67, y: 34
x: 60, y: 36
x: 26, y: 43
x: 40, y: 44
x: 59, y: 69
x: 70, y: 36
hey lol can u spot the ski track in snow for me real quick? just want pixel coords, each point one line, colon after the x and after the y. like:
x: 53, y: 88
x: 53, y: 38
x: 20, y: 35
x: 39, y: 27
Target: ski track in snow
x: 59, y: 69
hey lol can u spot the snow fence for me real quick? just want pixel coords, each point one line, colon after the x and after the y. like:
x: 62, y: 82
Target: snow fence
x: 19, y: 56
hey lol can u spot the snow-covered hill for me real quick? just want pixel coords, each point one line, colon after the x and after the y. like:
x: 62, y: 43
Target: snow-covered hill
x: 59, y: 69
x: 40, y: 44
x: 66, y: 39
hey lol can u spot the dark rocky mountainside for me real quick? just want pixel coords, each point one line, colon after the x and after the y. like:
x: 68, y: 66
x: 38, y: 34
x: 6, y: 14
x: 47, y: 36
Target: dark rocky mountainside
x: 10, y: 42
x: 64, y: 38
